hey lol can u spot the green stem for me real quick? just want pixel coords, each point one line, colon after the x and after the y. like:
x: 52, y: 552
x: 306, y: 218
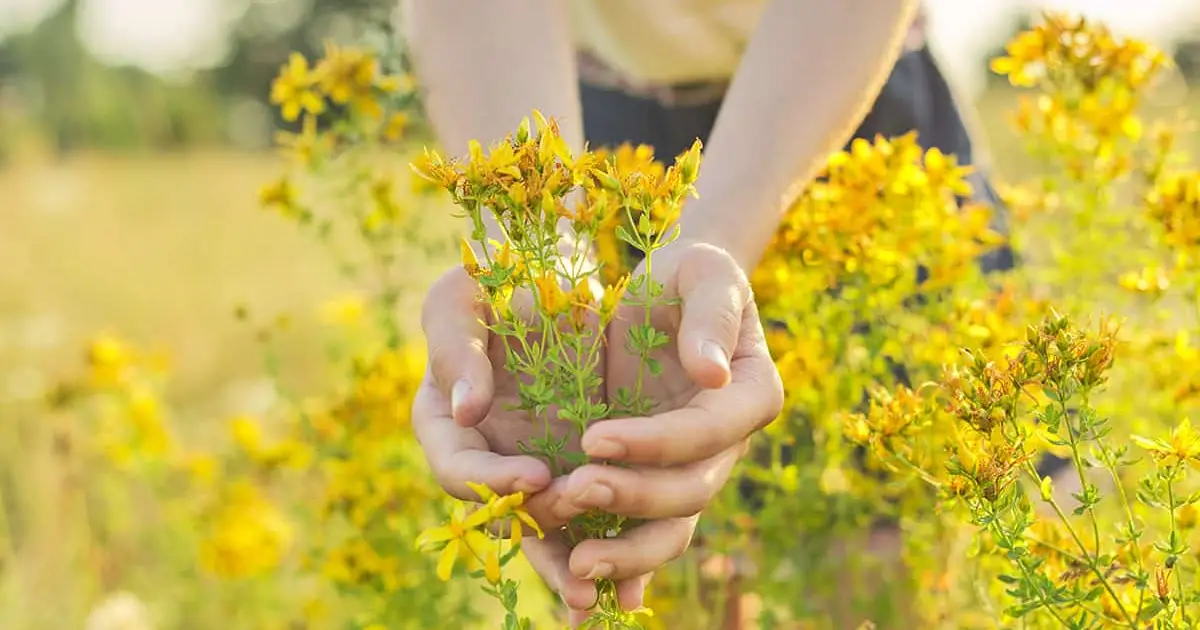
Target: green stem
x: 1174, y: 537
x: 1137, y: 549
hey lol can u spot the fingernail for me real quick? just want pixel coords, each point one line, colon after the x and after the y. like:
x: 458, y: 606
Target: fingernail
x: 712, y: 351
x: 458, y: 395
x: 596, y: 495
x: 600, y: 570
x: 606, y: 449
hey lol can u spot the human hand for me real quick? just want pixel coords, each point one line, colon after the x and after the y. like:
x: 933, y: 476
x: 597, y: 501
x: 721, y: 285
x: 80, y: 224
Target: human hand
x: 719, y: 385
x: 461, y: 413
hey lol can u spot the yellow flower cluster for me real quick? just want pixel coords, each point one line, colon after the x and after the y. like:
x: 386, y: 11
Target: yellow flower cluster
x: 533, y: 185
x: 248, y: 534
x: 130, y: 426
x: 1091, y: 86
x: 882, y: 210
x: 1174, y: 204
x: 615, y: 257
x: 374, y: 108
x: 539, y: 279
x: 346, y: 76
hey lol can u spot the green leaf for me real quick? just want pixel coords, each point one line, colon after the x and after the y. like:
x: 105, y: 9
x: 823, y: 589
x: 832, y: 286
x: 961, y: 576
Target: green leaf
x: 655, y: 367
x: 623, y: 235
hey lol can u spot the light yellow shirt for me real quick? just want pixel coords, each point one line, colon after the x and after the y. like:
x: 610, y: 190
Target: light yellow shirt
x: 676, y: 41
x: 667, y: 41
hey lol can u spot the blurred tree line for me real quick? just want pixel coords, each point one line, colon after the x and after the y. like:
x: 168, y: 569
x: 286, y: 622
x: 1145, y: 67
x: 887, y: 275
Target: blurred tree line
x: 50, y: 85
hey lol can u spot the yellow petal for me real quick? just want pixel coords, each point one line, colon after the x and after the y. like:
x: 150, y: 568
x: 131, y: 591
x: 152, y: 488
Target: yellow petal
x: 477, y: 541
x: 433, y: 536
x: 478, y: 518
x: 482, y: 490
x: 502, y: 506
x: 1147, y: 443
x: 515, y: 532
x: 291, y: 111
x: 528, y: 520
x: 491, y: 570
x: 445, y: 565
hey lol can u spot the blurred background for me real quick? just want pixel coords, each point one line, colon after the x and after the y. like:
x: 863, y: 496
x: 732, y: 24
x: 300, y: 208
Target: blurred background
x: 135, y: 135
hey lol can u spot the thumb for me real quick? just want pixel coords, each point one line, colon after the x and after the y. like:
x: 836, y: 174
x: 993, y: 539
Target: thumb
x: 457, y: 344
x: 714, y: 293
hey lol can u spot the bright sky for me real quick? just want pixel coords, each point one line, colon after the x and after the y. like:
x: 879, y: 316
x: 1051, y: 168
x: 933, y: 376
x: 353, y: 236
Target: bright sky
x: 159, y: 35
x: 166, y: 35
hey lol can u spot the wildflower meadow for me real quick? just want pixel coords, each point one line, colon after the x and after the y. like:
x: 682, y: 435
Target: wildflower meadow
x: 964, y: 444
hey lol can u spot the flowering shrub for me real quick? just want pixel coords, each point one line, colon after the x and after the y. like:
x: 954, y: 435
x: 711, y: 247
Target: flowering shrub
x: 905, y: 484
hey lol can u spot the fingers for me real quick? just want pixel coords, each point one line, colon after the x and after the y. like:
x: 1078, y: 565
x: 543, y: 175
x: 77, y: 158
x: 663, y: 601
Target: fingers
x: 648, y: 493
x: 550, y: 558
x: 551, y: 508
x: 639, y: 493
x: 459, y: 454
x: 631, y: 593
x: 457, y: 345
x: 558, y: 566
x: 714, y: 293
x: 713, y: 421
x: 635, y: 553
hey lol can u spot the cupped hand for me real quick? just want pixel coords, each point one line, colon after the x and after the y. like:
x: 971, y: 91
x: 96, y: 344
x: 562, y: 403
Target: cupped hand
x: 718, y: 386
x: 462, y: 413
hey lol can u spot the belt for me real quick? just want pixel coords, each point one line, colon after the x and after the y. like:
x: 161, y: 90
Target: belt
x: 596, y: 73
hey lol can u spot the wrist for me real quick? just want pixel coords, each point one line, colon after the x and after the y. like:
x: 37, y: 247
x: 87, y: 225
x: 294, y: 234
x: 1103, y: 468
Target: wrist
x: 741, y: 224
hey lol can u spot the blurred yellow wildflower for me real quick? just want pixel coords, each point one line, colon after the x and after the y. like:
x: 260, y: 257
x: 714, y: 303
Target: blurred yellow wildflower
x: 1153, y: 280
x: 345, y: 310
x: 294, y: 89
x: 247, y: 536
x: 109, y: 359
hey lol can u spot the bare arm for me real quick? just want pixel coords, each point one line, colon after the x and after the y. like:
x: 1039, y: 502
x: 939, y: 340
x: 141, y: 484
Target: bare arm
x: 807, y: 79
x: 486, y: 65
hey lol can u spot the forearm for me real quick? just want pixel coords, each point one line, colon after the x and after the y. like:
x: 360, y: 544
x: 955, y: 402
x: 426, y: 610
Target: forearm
x: 807, y: 79
x: 484, y: 65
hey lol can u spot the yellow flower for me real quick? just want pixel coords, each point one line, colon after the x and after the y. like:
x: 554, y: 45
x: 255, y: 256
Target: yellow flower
x: 146, y: 419
x: 1152, y: 280
x: 430, y: 166
x: 279, y: 193
x: 109, y: 360
x: 509, y: 506
x: 613, y: 294
x: 349, y: 76
x: 461, y: 538
x: 246, y: 433
x: 395, y: 127
x: 1184, y: 445
x: 293, y: 89
x: 470, y: 262
x: 345, y: 310
x: 248, y: 535
x: 551, y: 297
